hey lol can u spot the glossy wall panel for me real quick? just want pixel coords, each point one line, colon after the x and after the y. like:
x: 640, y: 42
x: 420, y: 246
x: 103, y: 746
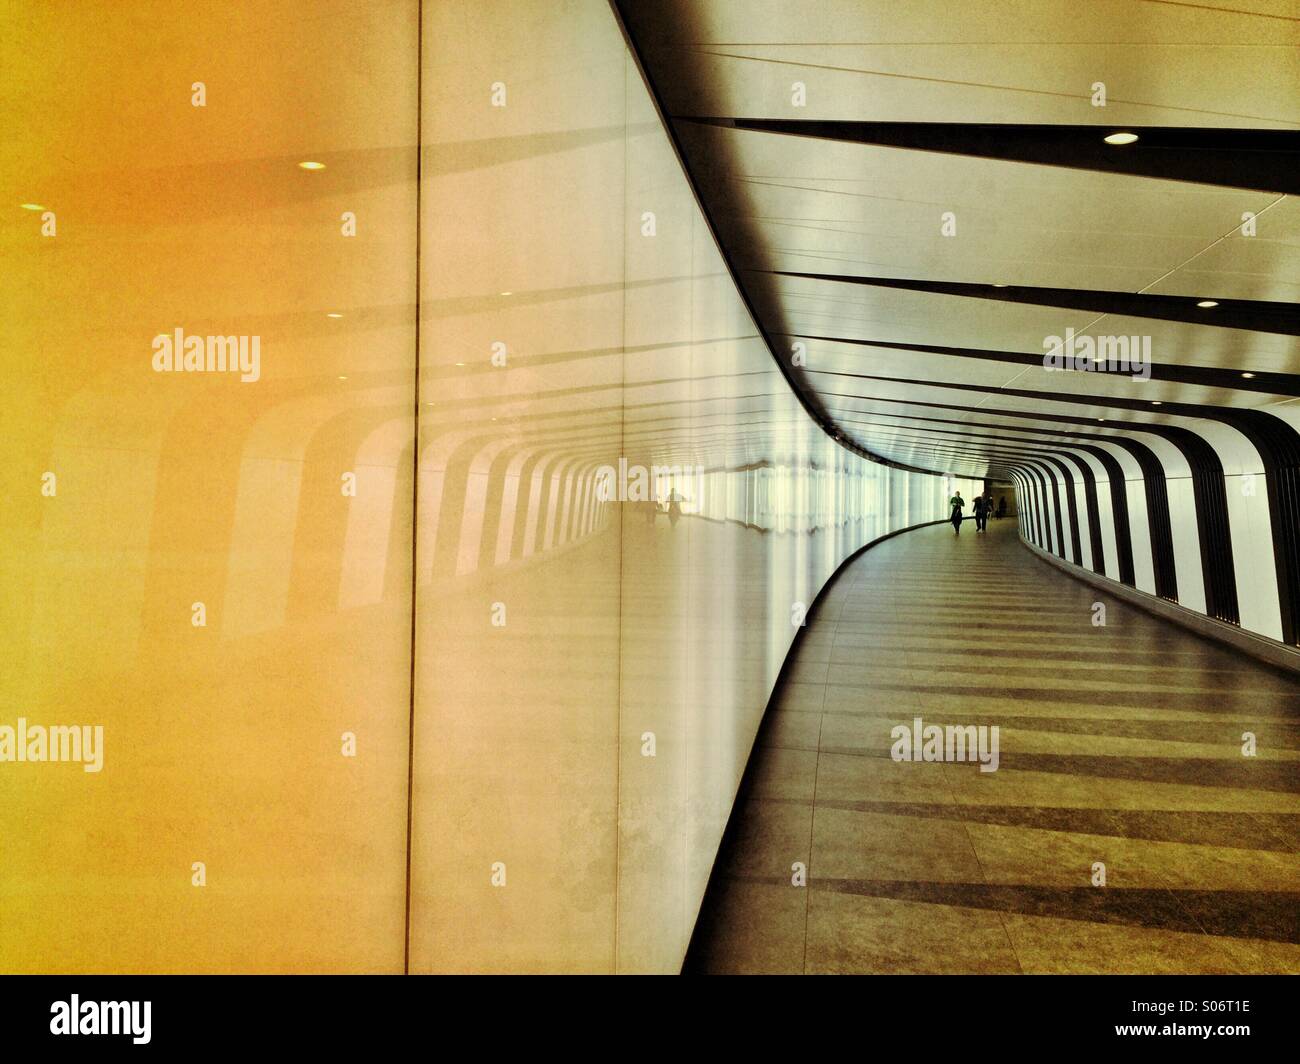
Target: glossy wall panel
x: 222, y: 741
x: 528, y: 550
x: 592, y: 662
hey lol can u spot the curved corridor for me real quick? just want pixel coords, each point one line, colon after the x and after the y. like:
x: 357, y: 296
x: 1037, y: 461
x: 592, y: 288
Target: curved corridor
x: 1120, y: 745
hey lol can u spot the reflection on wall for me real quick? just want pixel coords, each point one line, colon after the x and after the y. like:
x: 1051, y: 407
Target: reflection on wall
x: 223, y: 740
x: 623, y: 509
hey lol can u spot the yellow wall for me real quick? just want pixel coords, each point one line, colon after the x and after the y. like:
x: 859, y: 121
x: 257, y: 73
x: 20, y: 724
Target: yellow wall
x: 223, y: 743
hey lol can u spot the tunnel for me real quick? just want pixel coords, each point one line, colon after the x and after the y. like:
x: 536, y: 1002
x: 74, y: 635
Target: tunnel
x: 697, y: 487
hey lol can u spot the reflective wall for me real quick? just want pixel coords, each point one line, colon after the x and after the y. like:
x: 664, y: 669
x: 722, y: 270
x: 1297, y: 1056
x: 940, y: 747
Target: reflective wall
x: 620, y: 517
x: 623, y: 514
x: 184, y: 562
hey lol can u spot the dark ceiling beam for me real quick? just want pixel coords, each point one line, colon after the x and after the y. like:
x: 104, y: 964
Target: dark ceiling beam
x: 1254, y: 314
x: 1266, y: 160
x: 1201, y: 376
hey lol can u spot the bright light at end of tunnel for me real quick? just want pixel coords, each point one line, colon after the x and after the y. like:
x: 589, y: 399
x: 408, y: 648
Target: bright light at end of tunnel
x: 1121, y: 138
x: 309, y: 165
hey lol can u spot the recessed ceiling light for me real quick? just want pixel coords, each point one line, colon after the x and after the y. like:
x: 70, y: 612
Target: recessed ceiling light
x: 460, y: 363
x: 996, y: 285
x: 333, y: 315
x: 31, y: 206
x: 1156, y: 402
x: 1101, y: 419
x: 1207, y: 303
x: 342, y: 378
x: 1249, y: 376
x: 1121, y: 138
x: 309, y: 165
x: 507, y: 293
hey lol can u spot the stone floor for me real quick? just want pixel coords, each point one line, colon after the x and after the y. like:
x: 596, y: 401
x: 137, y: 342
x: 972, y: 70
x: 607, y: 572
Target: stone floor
x: 1119, y: 745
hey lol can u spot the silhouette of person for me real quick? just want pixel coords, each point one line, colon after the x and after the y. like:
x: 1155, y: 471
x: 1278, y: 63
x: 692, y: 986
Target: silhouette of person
x: 981, y: 513
x: 958, y: 504
x: 675, y: 500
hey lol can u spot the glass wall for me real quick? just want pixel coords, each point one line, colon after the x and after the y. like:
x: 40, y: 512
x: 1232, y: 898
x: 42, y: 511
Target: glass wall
x: 624, y: 511
x: 209, y: 565
x: 621, y: 512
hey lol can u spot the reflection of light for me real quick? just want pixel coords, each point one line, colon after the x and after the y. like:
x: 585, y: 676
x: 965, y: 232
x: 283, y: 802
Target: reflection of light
x: 1121, y: 138
x: 31, y: 206
x: 309, y: 165
x: 1206, y: 304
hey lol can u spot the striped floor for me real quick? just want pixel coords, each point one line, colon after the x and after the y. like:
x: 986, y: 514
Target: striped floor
x: 1120, y: 746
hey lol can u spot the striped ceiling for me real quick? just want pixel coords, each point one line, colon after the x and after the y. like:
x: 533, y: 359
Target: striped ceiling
x: 915, y: 197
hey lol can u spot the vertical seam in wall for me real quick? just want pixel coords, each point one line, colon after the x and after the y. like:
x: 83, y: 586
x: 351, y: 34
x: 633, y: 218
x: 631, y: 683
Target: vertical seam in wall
x: 622, y: 443
x: 415, y: 476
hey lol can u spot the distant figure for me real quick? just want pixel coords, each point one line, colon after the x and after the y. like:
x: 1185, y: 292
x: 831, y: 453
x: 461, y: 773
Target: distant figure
x: 675, y: 500
x: 1002, y: 507
x: 982, y: 507
x: 958, y: 504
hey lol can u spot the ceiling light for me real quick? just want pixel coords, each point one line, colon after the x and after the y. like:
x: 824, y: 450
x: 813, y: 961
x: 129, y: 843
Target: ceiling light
x: 31, y: 206
x: 507, y: 293
x: 1207, y: 303
x: 333, y: 315
x: 1121, y: 138
x: 996, y: 285
x: 342, y: 378
x: 1156, y: 402
x: 460, y: 363
x: 309, y: 165
x: 1249, y: 376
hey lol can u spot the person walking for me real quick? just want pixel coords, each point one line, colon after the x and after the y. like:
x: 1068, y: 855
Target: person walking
x: 957, y: 504
x: 981, y: 513
x: 1002, y: 507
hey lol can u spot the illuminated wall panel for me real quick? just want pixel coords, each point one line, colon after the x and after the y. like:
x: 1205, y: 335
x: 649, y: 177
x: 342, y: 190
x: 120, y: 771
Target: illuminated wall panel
x: 586, y: 706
